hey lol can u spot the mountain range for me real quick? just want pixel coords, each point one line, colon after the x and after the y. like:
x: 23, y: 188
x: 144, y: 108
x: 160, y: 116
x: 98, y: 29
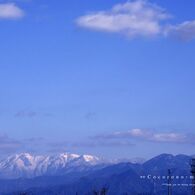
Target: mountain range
x: 70, y: 174
x: 25, y: 165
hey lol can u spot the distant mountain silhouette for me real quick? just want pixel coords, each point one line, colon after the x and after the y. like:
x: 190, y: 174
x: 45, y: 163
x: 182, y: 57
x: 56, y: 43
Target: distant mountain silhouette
x: 118, y: 179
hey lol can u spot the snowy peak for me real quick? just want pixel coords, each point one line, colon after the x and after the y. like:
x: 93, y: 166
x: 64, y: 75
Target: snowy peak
x: 89, y: 158
x: 27, y: 165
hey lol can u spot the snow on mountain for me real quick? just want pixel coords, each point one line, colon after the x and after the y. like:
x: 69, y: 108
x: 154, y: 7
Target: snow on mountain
x: 27, y: 165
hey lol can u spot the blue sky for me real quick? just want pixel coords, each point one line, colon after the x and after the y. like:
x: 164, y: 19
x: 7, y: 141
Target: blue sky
x: 110, y: 78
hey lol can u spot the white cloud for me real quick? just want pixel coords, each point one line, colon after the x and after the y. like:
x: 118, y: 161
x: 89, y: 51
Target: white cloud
x: 157, y: 137
x: 152, y: 136
x: 137, y: 133
x: 136, y: 18
x: 184, y: 31
x: 168, y: 137
x: 10, y: 11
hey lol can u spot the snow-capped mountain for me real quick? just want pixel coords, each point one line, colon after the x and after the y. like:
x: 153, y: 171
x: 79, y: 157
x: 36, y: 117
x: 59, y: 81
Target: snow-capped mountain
x: 122, y: 178
x: 27, y: 165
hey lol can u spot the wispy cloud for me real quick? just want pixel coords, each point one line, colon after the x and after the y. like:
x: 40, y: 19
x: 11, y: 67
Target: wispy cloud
x: 146, y: 135
x: 31, y: 114
x: 138, y: 18
x: 56, y: 147
x: 8, y: 145
x: 10, y: 11
x: 116, y: 139
x: 26, y: 114
x: 101, y: 143
x: 184, y: 31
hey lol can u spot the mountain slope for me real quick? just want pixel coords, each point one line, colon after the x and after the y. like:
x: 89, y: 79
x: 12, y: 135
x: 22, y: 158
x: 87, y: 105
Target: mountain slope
x: 124, y: 178
x: 27, y: 166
